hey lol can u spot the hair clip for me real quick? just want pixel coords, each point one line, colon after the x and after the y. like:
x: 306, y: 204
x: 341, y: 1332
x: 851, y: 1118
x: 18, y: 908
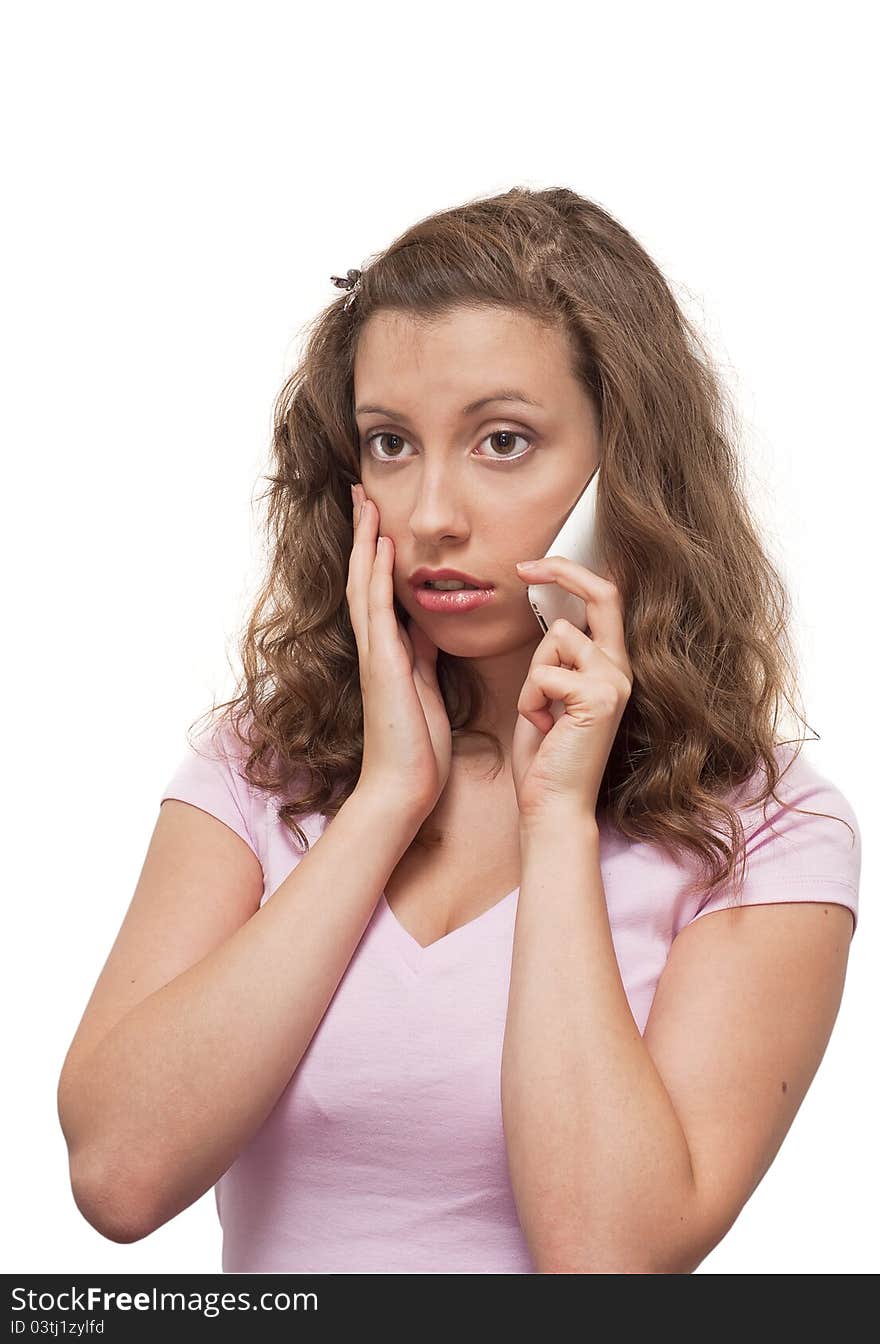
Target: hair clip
x: 348, y: 281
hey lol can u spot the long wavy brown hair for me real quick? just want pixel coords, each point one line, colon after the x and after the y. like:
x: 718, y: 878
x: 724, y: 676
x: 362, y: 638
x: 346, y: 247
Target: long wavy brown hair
x: 707, y: 614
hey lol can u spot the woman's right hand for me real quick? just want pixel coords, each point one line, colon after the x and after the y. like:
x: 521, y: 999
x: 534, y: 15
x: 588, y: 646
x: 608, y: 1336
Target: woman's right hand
x: 407, y: 736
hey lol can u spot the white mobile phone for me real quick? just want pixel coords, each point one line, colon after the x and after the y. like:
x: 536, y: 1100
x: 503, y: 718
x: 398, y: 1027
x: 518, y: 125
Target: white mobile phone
x: 575, y: 540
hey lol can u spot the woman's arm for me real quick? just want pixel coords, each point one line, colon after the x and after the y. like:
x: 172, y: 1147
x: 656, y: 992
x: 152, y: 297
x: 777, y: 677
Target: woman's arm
x: 599, y: 1164
x: 635, y: 1153
x: 159, y: 1109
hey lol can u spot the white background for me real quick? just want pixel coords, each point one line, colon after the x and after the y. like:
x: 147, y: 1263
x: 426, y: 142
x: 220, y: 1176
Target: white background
x: 181, y: 181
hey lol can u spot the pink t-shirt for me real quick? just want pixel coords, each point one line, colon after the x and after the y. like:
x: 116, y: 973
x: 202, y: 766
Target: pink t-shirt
x: 385, y: 1152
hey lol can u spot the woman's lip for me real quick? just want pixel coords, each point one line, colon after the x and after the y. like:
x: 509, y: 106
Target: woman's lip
x: 453, y: 599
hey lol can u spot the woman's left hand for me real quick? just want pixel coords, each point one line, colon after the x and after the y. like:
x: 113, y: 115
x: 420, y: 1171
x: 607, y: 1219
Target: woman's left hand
x: 561, y: 764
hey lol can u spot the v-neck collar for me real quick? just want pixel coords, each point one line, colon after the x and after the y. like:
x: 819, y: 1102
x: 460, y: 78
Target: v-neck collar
x: 418, y: 956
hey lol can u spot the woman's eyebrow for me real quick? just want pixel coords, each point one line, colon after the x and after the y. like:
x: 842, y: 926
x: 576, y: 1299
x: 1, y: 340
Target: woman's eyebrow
x: 504, y: 394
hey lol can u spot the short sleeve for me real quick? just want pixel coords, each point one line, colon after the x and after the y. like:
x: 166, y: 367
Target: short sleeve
x: 795, y: 857
x: 208, y: 777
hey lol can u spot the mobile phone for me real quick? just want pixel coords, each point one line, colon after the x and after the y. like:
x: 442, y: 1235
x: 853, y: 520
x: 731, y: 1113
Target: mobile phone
x: 575, y: 540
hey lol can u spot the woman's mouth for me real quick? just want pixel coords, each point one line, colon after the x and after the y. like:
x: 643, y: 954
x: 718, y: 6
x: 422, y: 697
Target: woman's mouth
x: 452, y: 599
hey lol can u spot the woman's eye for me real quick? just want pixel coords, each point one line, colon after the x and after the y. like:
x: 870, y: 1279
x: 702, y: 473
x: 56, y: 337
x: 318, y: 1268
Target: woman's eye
x: 384, y: 434
x: 510, y: 435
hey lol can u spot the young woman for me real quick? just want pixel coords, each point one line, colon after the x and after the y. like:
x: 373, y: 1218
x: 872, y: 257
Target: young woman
x: 467, y: 1013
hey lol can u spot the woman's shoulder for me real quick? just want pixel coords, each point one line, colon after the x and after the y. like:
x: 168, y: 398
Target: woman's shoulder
x: 804, y: 844
x: 209, y: 775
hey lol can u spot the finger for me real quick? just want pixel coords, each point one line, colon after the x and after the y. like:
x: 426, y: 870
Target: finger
x: 420, y: 665
x: 535, y: 728
x: 425, y: 651
x: 542, y: 686
x: 385, y: 643
x: 360, y: 567
x: 540, y: 719
x: 407, y: 643
x: 563, y: 646
x: 600, y: 595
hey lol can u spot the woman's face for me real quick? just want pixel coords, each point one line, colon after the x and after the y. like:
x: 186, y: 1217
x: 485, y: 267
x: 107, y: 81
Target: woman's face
x: 474, y: 490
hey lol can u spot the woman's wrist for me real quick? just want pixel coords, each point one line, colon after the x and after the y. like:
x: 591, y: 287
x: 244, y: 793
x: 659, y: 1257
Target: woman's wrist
x: 391, y: 809
x: 558, y: 823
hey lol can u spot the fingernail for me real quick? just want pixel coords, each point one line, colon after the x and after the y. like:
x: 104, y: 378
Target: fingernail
x: 527, y: 564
